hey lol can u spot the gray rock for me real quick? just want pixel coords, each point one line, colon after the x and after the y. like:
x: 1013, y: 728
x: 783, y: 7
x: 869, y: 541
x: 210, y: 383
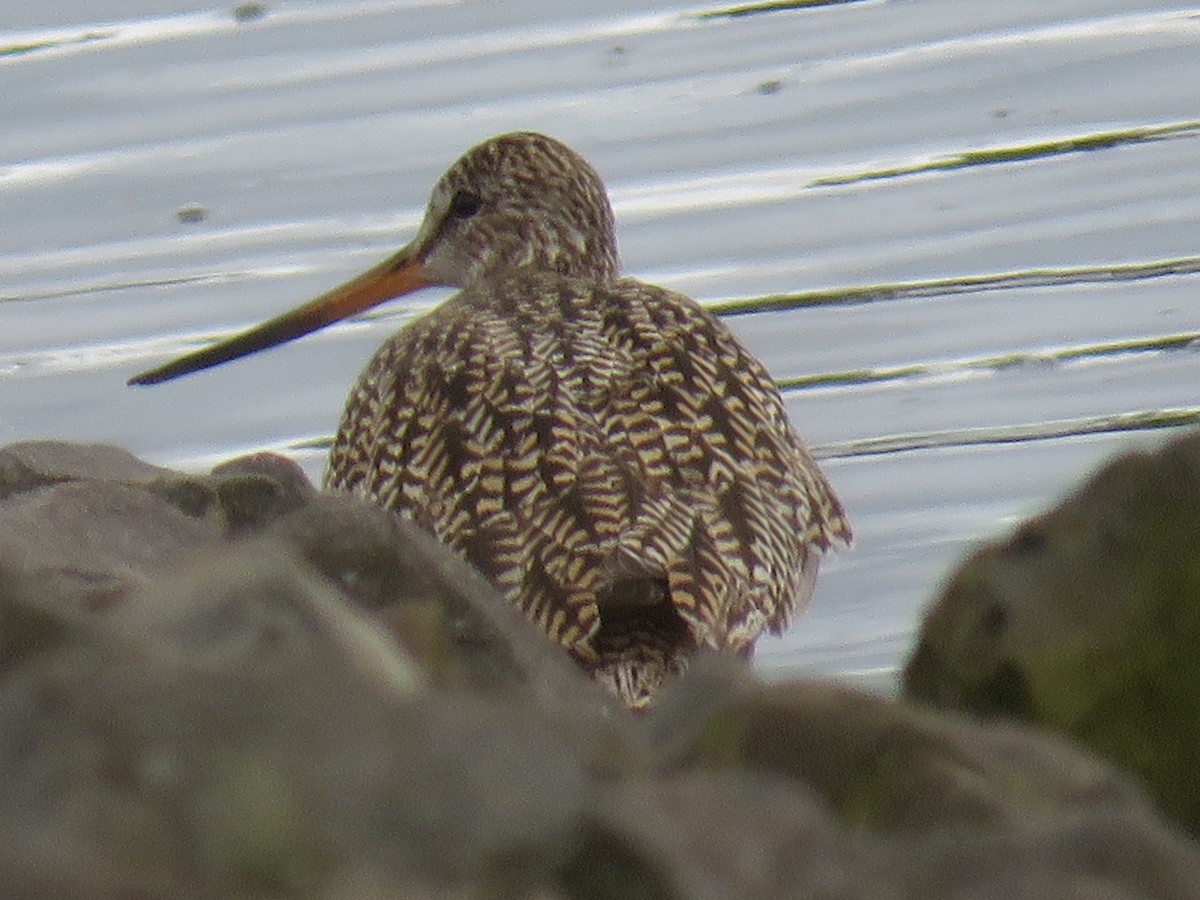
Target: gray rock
x: 455, y: 625
x: 93, y: 529
x: 737, y: 835
x: 251, y: 604
x: 1092, y: 856
x: 255, y: 490
x: 231, y: 686
x: 286, y: 472
x: 714, y: 836
x: 1085, y: 620
x: 33, y: 464
x: 92, y: 542
x: 32, y: 618
x: 278, y: 780
x: 30, y: 465
x: 245, y: 493
x: 887, y: 766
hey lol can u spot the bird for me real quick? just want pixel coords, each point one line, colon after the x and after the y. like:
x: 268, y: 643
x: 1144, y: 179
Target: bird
x: 605, y: 451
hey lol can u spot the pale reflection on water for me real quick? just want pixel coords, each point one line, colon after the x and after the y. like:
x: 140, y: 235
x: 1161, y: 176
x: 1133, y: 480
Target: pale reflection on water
x: 310, y: 136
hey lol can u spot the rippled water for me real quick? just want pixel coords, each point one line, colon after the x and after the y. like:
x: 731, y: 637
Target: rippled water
x: 962, y: 235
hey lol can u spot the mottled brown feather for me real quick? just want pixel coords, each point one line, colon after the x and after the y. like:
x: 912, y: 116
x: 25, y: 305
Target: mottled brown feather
x: 605, y: 451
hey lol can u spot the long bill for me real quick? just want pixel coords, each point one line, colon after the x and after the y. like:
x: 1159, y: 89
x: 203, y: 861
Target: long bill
x: 399, y: 274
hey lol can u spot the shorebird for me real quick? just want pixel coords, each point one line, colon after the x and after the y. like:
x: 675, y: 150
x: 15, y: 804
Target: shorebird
x: 605, y: 451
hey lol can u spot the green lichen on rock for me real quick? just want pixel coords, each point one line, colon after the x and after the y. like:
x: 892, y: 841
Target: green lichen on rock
x: 890, y: 767
x: 232, y: 686
x: 1086, y: 620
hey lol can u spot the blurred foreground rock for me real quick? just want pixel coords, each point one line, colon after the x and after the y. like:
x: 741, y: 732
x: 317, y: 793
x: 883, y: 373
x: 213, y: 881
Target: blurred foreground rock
x: 233, y: 686
x: 1086, y: 620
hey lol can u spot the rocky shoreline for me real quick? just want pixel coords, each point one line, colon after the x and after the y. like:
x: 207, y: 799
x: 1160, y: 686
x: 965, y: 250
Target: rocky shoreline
x: 232, y: 685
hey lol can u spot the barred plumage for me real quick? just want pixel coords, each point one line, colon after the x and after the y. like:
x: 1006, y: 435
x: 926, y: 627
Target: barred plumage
x: 604, y: 451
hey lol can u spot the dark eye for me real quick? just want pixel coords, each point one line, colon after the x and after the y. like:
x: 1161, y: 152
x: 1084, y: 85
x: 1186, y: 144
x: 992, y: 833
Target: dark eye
x: 464, y: 205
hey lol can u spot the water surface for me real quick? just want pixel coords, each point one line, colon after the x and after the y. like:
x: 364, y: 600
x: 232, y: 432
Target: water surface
x: 963, y: 235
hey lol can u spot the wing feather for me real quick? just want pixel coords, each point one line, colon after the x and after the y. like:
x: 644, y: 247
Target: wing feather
x: 569, y: 439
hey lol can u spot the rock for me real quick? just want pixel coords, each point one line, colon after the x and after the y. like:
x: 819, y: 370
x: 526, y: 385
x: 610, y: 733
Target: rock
x: 255, y: 490
x: 266, y: 781
x: 863, y: 797
x: 427, y: 595
x: 1094, y: 856
x: 459, y: 630
x: 1085, y: 620
x: 229, y: 685
x: 250, y: 604
x: 29, y: 465
x: 90, y: 543
x: 215, y: 566
x: 393, y: 569
x: 244, y: 493
x: 37, y: 869
x: 32, y: 619
x: 33, y: 464
x: 94, y: 523
x: 738, y: 835
x: 713, y: 836
x: 888, y: 766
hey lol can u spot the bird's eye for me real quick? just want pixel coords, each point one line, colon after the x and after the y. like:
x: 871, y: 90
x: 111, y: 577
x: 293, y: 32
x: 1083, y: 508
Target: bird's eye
x: 464, y: 205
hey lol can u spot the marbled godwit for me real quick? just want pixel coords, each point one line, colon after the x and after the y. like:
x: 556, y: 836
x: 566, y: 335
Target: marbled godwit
x: 605, y: 451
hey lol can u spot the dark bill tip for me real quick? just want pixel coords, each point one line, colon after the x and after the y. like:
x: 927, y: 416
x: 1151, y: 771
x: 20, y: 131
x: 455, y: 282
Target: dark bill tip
x: 393, y: 277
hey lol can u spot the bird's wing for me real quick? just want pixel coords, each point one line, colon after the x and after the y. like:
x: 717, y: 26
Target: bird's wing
x: 718, y: 425
x: 592, y: 447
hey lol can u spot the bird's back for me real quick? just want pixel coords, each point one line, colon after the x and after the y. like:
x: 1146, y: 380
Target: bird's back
x: 608, y: 455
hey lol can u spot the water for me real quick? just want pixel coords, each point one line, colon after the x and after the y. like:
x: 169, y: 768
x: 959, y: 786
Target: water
x: 907, y: 148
